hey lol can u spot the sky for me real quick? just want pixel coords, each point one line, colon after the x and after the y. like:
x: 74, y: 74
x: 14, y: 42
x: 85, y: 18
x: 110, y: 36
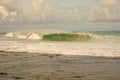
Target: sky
x: 76, y: 15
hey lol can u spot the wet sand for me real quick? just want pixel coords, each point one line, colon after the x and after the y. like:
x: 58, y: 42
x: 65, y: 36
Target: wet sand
x: 34, y: 66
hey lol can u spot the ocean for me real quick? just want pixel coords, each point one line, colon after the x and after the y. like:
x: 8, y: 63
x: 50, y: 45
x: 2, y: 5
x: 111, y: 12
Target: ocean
x: 93, y: 43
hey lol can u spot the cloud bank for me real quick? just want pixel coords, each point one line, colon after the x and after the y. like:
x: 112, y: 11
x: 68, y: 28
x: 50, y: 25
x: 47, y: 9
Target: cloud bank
x: 6, y: 16
x: 8, y: 11
x: 108, y: 2
x: 30, y: 12
x: 38, y: 11
x: 106, y: 10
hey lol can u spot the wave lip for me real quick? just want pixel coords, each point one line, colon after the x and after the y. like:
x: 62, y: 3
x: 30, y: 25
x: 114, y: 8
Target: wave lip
x: 24, y: 35
x: 30, y: 34
x: 10, y: 34
x: 21, y: 36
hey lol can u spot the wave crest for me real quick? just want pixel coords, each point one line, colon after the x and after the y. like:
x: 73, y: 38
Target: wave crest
x: 68, y: 37
x: 57, y: 35
x: 30, y: 34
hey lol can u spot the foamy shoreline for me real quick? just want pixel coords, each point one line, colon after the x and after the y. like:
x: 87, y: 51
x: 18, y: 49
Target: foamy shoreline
x: 98, y: 49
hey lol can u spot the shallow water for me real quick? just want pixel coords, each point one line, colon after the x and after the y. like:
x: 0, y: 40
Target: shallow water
x: 34, y: 66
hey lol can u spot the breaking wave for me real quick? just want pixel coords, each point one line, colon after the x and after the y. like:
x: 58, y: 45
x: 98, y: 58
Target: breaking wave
x: 30, y: 34
x: 68, y: 37
x: 57, y: 35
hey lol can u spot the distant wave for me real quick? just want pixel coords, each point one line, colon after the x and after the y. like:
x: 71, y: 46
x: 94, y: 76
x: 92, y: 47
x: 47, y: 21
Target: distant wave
x: 57, y: 35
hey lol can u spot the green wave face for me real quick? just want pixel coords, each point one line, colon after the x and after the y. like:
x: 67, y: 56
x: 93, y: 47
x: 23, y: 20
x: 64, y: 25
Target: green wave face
x: 67, y: 37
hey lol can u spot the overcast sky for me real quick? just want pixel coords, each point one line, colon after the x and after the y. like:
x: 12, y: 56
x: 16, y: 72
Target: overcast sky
x: 60, y: 14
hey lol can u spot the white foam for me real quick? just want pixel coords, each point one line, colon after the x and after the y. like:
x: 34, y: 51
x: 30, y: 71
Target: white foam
x: 30, y: 34
x: 21, y: 37
x: 34, y: 36
x: 66, y: 48
x: 9, y: 34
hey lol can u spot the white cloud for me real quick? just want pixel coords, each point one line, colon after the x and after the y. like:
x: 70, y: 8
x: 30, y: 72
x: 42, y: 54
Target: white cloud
x: 3, y: 13
x: 14, y: 11
x: 6, y: 16
x: 108, y: 2
x: 8, y: 11
x: 38, y: 11
x: 13, y: 15
x: 37, y: 5
x: 106, y: 10
x: 76, y: 14
x: 9, y: 4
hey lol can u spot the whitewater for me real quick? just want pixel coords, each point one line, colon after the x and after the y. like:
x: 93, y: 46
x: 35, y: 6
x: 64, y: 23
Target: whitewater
x: 30, y: 41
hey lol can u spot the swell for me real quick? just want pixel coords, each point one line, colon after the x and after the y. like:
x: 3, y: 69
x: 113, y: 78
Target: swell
x: 68, y: 37
x: 50, y: 35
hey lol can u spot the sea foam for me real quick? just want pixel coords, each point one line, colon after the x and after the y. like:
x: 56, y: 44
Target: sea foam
x: 30, y: 34
x: 101, y: 49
